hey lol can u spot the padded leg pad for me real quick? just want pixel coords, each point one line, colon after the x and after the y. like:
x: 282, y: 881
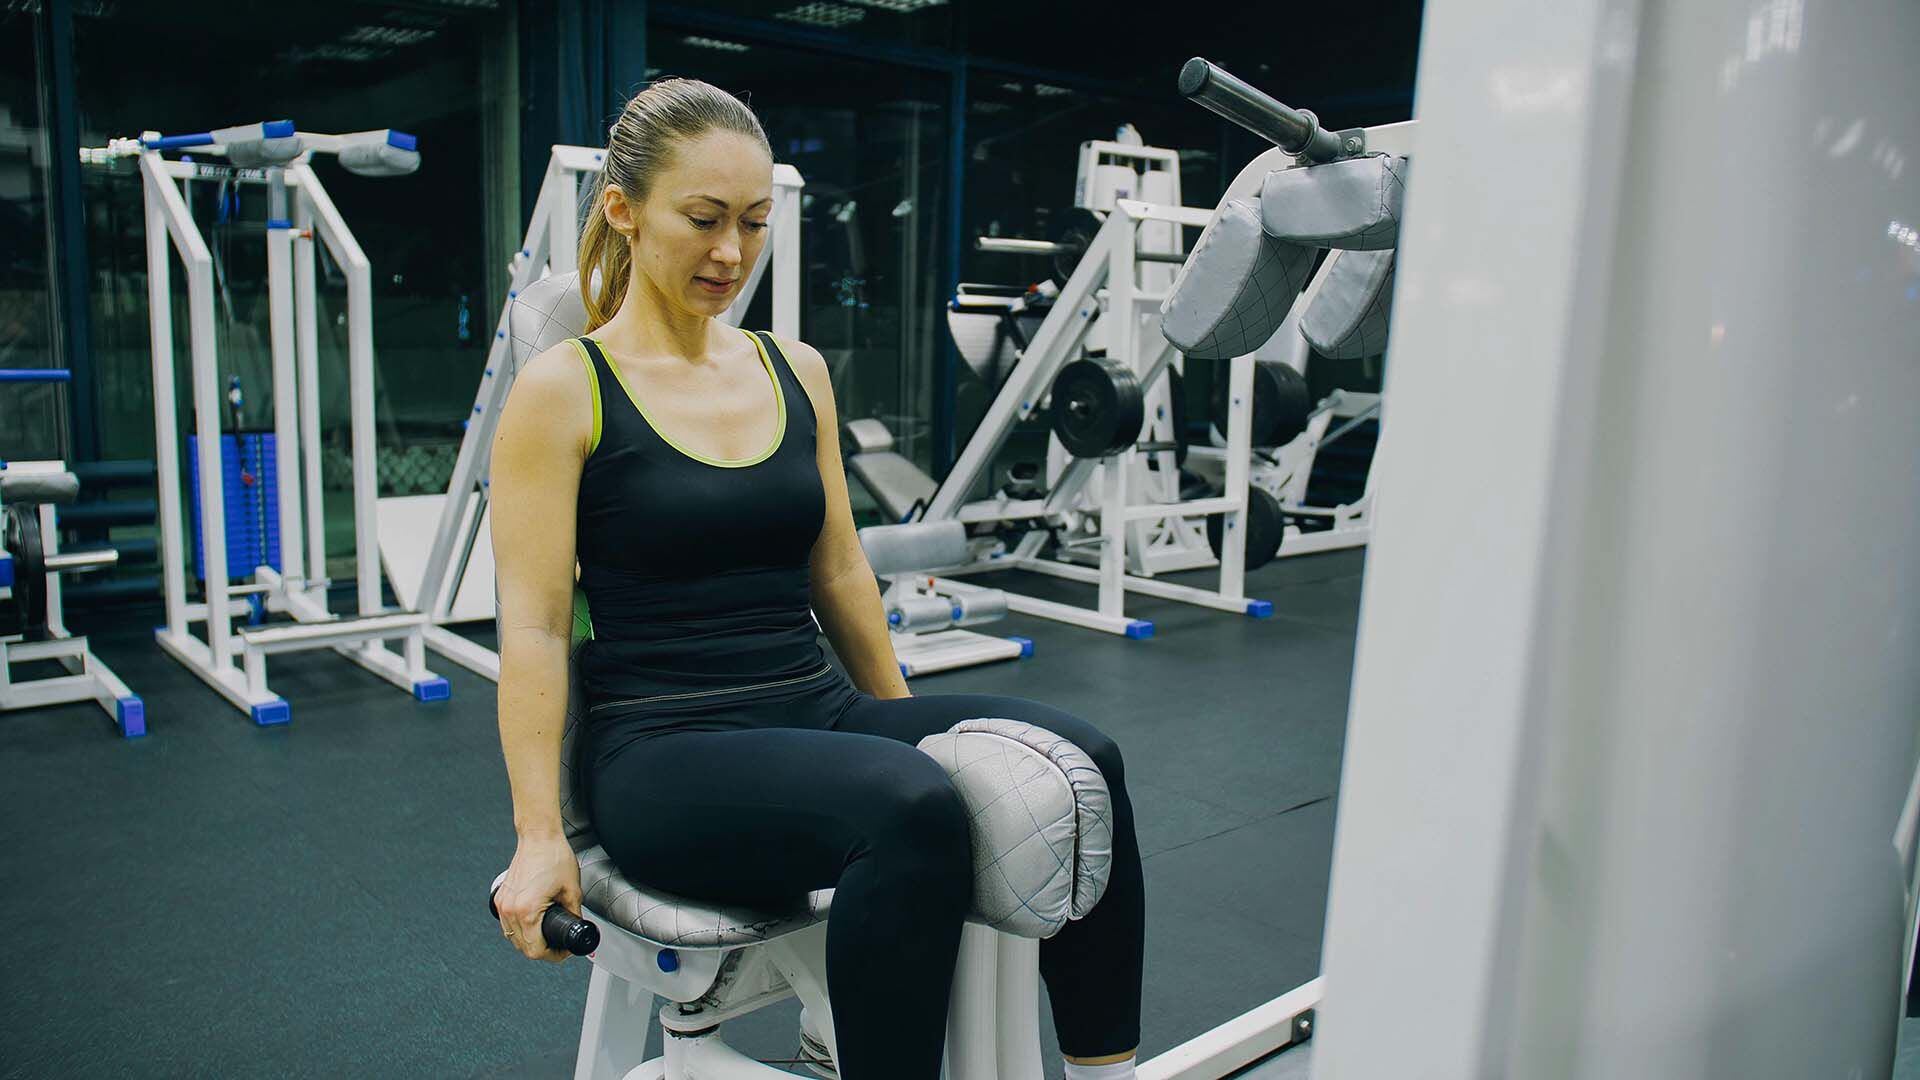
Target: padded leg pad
x: 1350, y: 205
x: 1041, y: 821
x: 1236, y: 288
x: 1348, y: 316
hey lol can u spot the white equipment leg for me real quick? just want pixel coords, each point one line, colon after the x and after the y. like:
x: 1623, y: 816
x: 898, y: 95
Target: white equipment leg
x: 86, y: 677
x: 615, y: 1030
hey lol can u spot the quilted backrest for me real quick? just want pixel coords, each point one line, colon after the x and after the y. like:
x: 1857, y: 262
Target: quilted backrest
x: 544, y: 314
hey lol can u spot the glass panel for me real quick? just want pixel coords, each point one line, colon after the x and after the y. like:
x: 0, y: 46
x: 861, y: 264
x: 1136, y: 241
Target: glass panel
x: 331, y: 68
x: 31, y: 414
x: 870, y: 140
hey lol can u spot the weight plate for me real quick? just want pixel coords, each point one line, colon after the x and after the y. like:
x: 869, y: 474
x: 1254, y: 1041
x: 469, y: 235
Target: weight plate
x: 1073, y: 229
x: 1097, y: 407
x: 1265, y: 528
x: 1282, y: 404
x: 27, y: 611
x: 1177, y: 413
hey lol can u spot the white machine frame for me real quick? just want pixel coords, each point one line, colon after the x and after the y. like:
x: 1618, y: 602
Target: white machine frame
x: 87, y: 678
x: 450, y: 577
x: 299, y: 588
x: 1143, y: 527
x: 1137, y: 537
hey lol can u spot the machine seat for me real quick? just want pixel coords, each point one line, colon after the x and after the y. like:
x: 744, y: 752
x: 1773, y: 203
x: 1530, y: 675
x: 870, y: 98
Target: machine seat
x: 674, y: 922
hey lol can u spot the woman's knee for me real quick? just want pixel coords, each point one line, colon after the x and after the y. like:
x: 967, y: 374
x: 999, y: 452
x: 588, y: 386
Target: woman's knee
x: 923, y: 814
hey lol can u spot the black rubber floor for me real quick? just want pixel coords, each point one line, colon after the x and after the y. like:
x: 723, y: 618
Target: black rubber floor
x: 223, y: 900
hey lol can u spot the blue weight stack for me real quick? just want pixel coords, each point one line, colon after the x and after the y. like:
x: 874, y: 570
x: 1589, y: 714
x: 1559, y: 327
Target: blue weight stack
x: 253, y: 509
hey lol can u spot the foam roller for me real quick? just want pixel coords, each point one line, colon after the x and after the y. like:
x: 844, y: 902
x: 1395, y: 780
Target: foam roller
x: 917, y: 613
x: 378, y: 159
x: 262, y: 153
x: 980, y: 607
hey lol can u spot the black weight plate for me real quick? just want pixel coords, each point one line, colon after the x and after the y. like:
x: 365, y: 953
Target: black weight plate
x: 1073, y: 229
x: 27, y: 611
x: 1097, y: 408
x: 1282, y: 396
x: 1177, y: 412
x: 1265, y: 528
x: 1282, y: 404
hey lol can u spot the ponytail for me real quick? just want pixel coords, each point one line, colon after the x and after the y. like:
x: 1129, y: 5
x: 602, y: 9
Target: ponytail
x: 605, y: 261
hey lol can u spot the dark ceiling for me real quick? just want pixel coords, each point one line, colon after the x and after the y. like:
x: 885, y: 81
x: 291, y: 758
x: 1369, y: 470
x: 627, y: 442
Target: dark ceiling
x: 1352, y: 62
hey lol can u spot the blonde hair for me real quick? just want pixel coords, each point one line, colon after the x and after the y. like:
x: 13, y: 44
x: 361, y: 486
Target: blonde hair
x: 639, y: 147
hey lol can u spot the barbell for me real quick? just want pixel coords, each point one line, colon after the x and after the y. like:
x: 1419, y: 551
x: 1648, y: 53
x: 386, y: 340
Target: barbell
x: 1070, y: 234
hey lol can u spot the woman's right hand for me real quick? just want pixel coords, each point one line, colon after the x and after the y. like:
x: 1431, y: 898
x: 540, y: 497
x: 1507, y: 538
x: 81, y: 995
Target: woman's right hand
x: 544, y: 872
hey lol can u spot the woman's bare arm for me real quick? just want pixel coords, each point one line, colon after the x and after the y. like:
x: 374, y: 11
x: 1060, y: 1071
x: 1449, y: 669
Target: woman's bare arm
x: 539, y: 451
x: 846, y: 598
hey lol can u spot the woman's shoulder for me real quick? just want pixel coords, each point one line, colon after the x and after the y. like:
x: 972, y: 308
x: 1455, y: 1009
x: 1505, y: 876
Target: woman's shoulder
x: 554, y: 386
x: 807, y: 363
x: 554, y: 370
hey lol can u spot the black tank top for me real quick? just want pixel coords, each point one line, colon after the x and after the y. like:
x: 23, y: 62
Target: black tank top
x: 694, y: 568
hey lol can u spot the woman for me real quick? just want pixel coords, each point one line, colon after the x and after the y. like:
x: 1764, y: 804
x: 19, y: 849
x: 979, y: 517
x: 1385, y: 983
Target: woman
x: 691, y: 470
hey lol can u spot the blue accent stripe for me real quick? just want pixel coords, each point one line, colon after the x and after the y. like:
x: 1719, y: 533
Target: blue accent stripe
x: 279, y: 223
x: 402, y: 140
x: 277, y: 129
x: 6, y: 572
x: 35, y: 375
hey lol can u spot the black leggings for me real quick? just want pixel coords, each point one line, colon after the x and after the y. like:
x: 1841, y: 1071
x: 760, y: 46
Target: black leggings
x: 827, y: 790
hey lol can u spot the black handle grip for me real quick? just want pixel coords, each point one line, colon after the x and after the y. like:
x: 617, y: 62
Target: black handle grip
x: 563, y: 930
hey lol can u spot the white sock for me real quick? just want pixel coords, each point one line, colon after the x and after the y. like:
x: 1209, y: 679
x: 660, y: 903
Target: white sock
x: 1119, y: 1070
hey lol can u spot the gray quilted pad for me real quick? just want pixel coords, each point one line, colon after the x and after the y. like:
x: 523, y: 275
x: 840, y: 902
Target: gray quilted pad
x: 665, y: 919
x: 1351, y: 205
x: 1236, y: 288
x: 546, y: 313
x: 1348, y: 316
x: 1041, y: 821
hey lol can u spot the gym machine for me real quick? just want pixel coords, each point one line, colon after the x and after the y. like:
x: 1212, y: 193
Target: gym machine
x: 1252, y: 286
x: 437, y: 548
x: 32, y: 621
x: 300, y: 216
x: 1097, y: 365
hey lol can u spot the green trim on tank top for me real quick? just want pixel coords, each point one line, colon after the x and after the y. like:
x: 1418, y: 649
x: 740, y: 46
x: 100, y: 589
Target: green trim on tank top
x: 779, y: 398
x: 593, y: 383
